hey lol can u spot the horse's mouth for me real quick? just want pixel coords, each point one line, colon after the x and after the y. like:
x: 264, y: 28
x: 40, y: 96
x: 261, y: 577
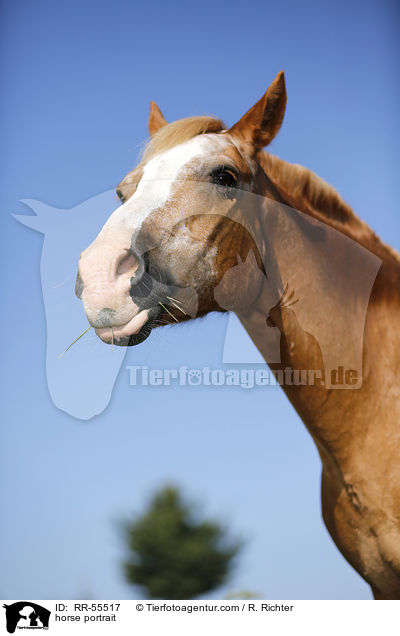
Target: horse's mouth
x: 132, y: 332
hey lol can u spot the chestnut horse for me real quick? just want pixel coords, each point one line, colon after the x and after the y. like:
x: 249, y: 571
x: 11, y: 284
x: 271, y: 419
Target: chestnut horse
x: 211, y: 222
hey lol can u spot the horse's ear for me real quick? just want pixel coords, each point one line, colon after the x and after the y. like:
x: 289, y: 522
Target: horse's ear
x: 261, y: 123
x: 156, y: 119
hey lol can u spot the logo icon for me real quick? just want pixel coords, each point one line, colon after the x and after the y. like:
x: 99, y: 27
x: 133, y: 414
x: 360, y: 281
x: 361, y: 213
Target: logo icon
x: 26, y: 615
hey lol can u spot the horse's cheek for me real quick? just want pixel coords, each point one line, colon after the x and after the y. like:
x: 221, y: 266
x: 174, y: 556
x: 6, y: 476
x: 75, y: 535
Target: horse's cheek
x: 238, y: 288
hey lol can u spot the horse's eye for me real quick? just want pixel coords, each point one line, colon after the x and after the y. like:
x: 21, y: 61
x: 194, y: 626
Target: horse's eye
x: 224, y: 177
x: 120, y: 195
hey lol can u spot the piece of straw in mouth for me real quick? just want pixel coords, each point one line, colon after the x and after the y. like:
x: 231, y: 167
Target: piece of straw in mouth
x: 169, y: 312
x: 76, y: 340
x: 175, y: 299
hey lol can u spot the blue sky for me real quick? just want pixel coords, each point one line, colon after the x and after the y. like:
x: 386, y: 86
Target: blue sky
x: 77, y: 81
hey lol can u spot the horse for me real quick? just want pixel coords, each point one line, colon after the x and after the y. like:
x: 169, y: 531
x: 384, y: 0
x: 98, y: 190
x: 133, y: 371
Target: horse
x: 210, y: 221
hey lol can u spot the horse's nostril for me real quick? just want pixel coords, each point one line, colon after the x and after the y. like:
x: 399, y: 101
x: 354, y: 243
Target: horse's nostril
x: 127, y: 264
x: 79, y: 286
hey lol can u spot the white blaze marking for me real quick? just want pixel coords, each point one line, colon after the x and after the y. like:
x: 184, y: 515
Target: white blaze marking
x: 159, y: 175
x: 153, y: 193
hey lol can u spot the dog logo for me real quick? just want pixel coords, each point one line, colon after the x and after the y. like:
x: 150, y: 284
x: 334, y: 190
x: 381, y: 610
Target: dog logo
x: 26, y: 615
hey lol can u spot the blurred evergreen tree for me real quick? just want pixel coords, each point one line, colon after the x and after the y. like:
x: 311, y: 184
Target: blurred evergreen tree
x: 174, y: 555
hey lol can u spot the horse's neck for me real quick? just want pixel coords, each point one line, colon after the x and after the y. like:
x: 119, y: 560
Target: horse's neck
x: 305, y: 191
x: 343, y: 325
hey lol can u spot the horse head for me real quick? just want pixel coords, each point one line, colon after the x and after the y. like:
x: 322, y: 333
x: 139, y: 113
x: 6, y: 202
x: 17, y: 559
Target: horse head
x: 184, y: 227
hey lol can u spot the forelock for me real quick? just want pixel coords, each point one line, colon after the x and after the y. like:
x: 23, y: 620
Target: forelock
x: 178, y: 132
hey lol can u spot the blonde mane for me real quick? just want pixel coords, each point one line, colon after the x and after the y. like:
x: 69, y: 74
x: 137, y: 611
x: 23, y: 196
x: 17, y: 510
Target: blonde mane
x: 304, y: 190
